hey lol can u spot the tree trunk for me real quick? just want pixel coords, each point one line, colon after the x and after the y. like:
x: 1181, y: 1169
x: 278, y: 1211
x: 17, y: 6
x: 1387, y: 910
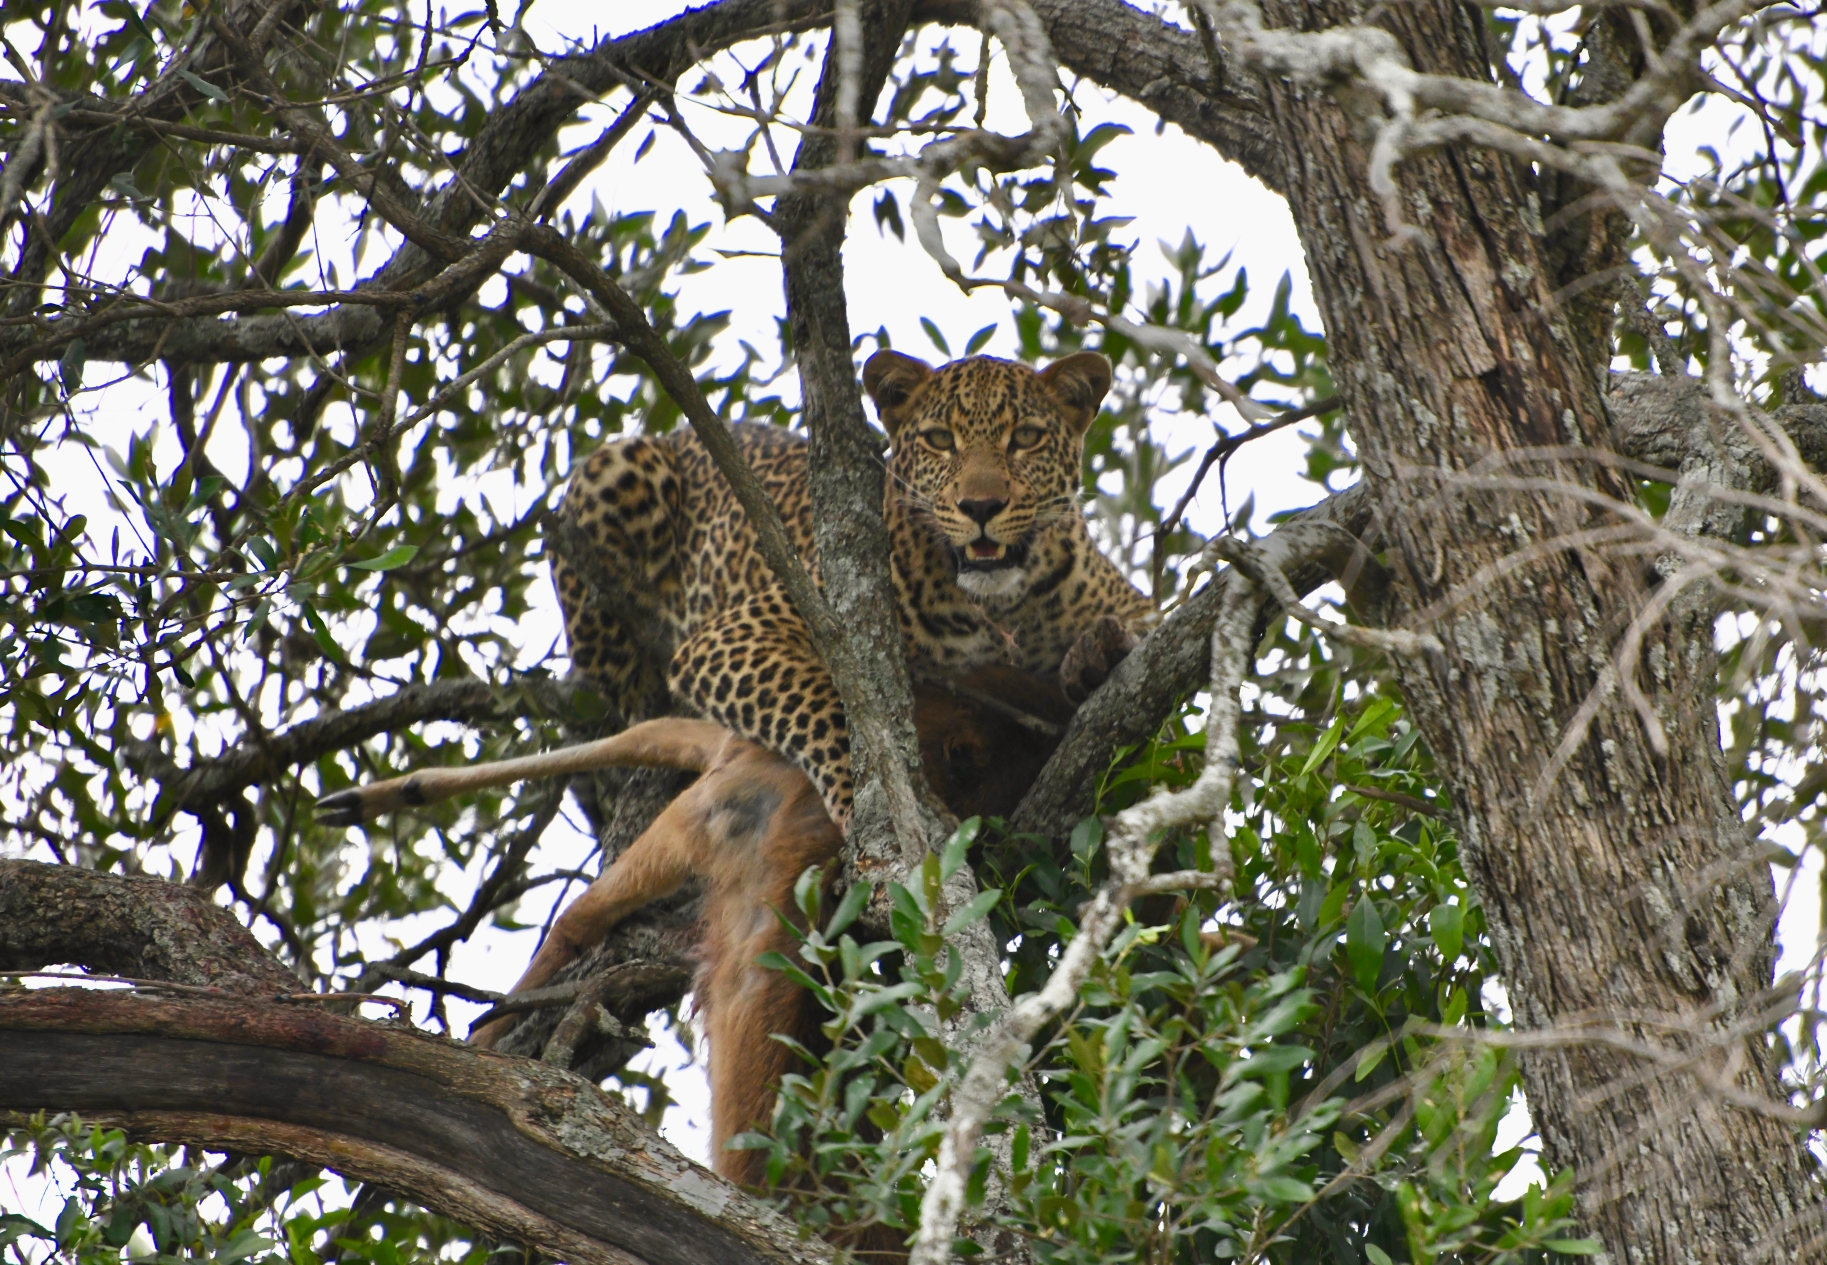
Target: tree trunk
x: 1622, y: 893
x: 892, y: 824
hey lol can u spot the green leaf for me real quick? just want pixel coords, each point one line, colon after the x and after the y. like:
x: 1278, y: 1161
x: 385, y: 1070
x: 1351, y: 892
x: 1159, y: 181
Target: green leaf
x: 1284, y: 1189
x: 1365, y: 941
x: 807, y: 889
x: 69, y: 1221
x: 1453, y: 1013
x: 774, y: 961
x: 1376, y: 1255
x: 1085, y: 838
x: 257, y: 620
x: 888, y: 215
x: 932, y: 332
x: 71, y: 363
x: 1277, y: 1058
x: 979, y: 339
x: 320, y: 632
x: 398, y: 556
x: 243, y: 1245
x: 14, y: 1227
x: 1098, y: 137
x: 958, y: 845
x: 1574, y: 1247
x: 203, y: 86
x: 847, y: 909
x: 905, y: 917
x: 1446, y: 924
x: 975, y: 908
x: 1323, y: 748
x: 1374, y: 715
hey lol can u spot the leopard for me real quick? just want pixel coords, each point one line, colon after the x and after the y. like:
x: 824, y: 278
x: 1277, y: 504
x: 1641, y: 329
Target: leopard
x: 991, y: 558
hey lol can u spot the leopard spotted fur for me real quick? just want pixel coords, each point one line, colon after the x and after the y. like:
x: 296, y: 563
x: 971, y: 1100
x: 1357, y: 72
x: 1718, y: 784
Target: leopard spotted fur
x: 991, y: 558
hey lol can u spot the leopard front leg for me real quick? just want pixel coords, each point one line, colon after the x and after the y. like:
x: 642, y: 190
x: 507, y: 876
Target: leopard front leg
x: 752, y: 669
x: 1094, y: 656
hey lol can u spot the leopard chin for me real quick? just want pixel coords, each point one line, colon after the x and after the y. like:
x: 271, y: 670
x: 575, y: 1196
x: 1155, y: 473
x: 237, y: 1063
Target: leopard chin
x: 997, y: 583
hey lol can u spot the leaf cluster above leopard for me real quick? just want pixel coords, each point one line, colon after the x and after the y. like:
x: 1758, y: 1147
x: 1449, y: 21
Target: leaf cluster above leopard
x: 991, y: 559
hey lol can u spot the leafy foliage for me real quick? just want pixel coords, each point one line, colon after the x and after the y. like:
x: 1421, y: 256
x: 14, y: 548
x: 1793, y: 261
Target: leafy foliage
x: 161, y: 1205
x: 1284, y: 1078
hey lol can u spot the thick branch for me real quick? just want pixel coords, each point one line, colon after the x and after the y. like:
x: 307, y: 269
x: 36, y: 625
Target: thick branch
x: 845, y: 471
x: 657, y: 55
x: 1668, y: 421
x: 314, y: 132
x: 510, y: 1147
x: 1109, y: 42
x: 106, y: 151
x: 652, y: 57
x: 1164, y: 68
x: 1169, y: 665
x: 141, y: 928
x: 122, y: 328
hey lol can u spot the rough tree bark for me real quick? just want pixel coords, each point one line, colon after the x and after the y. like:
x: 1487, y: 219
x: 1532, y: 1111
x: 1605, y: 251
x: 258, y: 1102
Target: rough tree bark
x: 1449, y: 352
x: 1624, y: 890
x: 897, y: 818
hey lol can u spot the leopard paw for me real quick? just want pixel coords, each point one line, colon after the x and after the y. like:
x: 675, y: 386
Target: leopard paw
x: 1094, y: 656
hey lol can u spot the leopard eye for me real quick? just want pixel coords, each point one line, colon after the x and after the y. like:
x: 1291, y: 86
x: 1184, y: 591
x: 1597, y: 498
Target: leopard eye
x: 939, y: 438
x: 1025, y: 437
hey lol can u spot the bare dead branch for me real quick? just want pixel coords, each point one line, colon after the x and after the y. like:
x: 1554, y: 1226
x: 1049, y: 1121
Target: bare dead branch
x: 1247, y: 558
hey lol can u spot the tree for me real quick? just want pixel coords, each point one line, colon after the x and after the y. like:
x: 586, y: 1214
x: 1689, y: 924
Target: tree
x: 1270, y: 1041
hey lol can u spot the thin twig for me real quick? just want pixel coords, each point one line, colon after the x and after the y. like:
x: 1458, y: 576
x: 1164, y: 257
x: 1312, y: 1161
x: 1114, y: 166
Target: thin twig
x: 1247, y: 558
x: 1219, y: 453
x: 436, y: 984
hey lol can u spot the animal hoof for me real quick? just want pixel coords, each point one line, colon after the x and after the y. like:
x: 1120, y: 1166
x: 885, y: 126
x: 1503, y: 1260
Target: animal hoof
x: 341, y: 809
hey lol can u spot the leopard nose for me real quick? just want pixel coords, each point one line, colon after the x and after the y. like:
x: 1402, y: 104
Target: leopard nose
x: 981, y: 511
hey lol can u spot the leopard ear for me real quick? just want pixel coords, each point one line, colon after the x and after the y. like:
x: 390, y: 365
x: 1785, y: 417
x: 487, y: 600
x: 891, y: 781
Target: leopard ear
x: 891, y: 379
x: 1080, y: 382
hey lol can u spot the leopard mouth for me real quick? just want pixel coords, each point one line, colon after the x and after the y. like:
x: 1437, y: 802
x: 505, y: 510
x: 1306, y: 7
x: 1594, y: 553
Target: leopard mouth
x: 985, y: 554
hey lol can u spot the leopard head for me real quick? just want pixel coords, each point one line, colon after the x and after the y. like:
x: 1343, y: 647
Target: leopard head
x: 986, y: 453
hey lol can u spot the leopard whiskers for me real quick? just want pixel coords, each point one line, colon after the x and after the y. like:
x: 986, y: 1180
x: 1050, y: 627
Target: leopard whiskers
x: 1057, y: 509
x: 911, y: 494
